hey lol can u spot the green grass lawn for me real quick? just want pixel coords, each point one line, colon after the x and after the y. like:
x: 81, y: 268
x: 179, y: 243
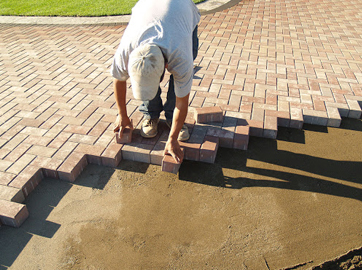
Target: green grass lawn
x: 67, y: 7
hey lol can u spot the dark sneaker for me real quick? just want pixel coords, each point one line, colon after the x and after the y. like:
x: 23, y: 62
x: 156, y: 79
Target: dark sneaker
x: 149, y: 128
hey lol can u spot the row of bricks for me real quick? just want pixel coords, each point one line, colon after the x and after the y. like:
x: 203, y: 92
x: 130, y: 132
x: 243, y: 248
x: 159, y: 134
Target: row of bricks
x: 263, y: 77
x: 351, y: 109
x: 242, y: 101
x: 251, y: 90
x: 151, y: 150
x: 330, y: 116
x: 264, y: 125
x: 13, y: 213
x: 228, y: 134
x: 50, y: 158
x: 259, y: 129
x: 273, y: 102
x: 224, y: 86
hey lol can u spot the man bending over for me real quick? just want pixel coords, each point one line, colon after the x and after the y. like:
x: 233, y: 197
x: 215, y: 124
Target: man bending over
x: 161, y: 34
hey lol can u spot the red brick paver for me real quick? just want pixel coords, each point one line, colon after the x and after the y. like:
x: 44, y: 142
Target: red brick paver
x: 264, y: 63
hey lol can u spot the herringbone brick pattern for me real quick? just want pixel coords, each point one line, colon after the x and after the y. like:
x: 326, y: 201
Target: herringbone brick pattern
x: 265, y: 63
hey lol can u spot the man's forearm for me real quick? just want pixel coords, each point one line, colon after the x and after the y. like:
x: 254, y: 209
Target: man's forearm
x: 120, y: 90
x: 179, y: 116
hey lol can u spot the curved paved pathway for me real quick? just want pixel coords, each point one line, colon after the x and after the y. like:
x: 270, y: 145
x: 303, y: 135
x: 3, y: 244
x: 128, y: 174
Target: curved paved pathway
x: 268, y: 63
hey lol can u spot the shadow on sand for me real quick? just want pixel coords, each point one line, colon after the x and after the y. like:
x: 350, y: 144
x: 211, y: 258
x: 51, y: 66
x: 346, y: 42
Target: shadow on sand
x: 40, y: 204
x: 13, y: 241
x: 265, y: 150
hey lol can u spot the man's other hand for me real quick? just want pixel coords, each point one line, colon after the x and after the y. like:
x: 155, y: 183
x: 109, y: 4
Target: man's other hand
x: 122, y: 123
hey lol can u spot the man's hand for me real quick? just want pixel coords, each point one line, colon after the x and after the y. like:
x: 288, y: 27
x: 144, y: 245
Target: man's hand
x: 179, y: 115
x: 173, y: 148
x: 121, y: 123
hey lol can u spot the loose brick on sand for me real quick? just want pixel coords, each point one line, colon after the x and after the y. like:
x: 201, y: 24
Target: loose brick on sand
x: 208, y: 114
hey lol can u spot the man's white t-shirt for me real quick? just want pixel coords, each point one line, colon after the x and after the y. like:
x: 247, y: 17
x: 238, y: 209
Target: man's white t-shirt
x: 168, y: 24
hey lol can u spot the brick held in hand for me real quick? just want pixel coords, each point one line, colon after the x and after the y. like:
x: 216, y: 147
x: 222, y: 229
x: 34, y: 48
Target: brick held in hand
x: 170, y: 165
x: 125, y: 137
x: 209, y: 114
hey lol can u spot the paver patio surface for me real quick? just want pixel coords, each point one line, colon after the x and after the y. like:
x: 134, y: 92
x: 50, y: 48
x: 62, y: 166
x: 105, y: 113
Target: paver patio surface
x: 265, y: 63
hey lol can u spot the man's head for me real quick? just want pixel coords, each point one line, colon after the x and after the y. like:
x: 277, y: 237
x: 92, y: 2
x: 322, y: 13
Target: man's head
x: 146, y: 66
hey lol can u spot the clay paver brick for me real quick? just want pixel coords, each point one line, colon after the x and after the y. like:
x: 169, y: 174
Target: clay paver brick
x: 334, y: 118
x: 72, y: 167
x: 156, y: 154
x: 296, y: 118
x: 112, y: 156
x: 270, y: 127
x: 11, y: 194
x: 37, y: 140
x: 31, y: 122
x: 12, y: 213
x: 21, y: 163
x: 99, y: 128
x: 5, y: 177
x: 33, y: 131
x: 4, y: 164
x: 354, y: 109
x: 137, y: 151
x: 83, y: 139
x: 209, y: 149
x: 241, y: 138
x: 315, y: 117
x: 28, y: 179
x: 49, y: 165
x: 198, y: 134
x: 226, y: 137
x: 77, y: 129
x: 38, y: 150
x: 191, y: 150
x: 208, y: 114
x: 125, y: 137
x: 93, y: 153
x: 170, y: 165
x: 255, y: 127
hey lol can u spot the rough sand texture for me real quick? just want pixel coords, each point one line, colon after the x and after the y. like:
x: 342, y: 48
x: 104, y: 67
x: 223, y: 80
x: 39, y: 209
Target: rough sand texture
x: 295, y: 200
